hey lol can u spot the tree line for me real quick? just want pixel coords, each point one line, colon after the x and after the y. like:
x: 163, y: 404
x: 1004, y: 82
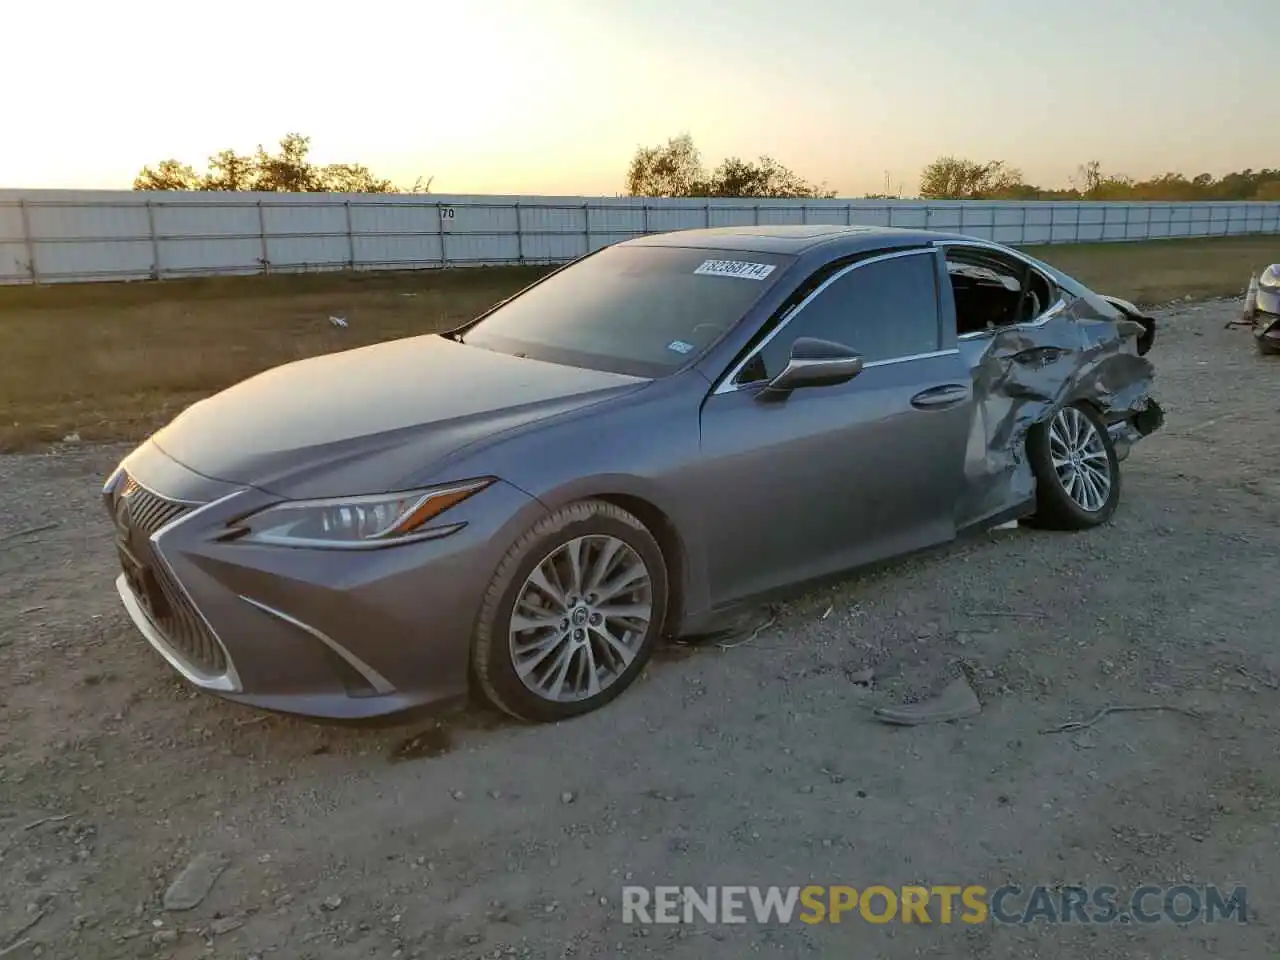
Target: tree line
x: 676, y: 169
x: 955, y: 178
x: 288, y: 170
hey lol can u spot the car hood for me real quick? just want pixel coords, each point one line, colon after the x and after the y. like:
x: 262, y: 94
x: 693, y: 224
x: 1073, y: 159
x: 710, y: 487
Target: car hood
x: 372, y: 419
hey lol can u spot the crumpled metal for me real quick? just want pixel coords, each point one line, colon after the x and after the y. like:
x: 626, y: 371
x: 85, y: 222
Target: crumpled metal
x: 1023, y: 376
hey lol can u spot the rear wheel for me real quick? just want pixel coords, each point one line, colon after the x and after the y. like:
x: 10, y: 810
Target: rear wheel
x: 1076, y: 469
x: 572, y: 614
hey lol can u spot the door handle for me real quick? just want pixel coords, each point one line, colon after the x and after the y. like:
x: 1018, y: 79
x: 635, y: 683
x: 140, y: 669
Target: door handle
x: 937, y: 398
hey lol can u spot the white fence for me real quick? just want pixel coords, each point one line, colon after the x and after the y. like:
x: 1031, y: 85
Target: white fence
x: 49, y: 236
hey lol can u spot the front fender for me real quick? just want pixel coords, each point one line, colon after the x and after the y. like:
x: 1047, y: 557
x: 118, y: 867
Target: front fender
x: 1147, y: 338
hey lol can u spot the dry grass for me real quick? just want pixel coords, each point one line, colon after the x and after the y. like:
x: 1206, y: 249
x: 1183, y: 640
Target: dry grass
x: 116, y: 361
x: 1159, y: 271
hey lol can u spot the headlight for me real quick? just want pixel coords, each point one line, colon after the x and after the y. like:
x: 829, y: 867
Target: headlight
x: 356, y: 522
x: 112, y: 480
x: 1270, y: 279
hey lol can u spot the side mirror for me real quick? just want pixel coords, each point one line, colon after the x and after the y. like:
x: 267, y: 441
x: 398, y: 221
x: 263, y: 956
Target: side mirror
x: 813, y: 363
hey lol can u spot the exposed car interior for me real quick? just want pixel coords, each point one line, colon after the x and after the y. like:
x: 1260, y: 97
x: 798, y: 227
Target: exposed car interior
x: 991, y: 293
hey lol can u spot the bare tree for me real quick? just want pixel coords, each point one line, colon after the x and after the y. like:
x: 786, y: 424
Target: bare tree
x: 671, y: 170
x: 675, y: 169
x: 765, y: 177
x: 167, y: 175
x: 953, y: 178
x: 229, y: 170
x: 288, y: 170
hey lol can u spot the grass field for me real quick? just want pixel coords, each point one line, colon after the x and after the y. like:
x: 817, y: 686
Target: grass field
x: 116, y: 361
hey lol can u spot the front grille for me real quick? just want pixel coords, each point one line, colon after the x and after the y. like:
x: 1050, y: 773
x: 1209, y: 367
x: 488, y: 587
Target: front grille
x: 164, y: 601
x: 148, y: 512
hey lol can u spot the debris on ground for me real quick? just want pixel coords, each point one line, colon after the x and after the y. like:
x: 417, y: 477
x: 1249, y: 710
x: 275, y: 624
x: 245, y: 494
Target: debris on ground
x: 863, y: 677
x: 338, y: 321
x: 27, y: 531
x: 43, y: 820
x: 739, y: 630
x: 1123, y: 708
x: 195, y: 881
x: 956, y: 701
x: 761, y: 628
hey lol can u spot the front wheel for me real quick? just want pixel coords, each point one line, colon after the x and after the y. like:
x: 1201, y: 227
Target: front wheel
x: 1076, y: 469
x: 572, y: 614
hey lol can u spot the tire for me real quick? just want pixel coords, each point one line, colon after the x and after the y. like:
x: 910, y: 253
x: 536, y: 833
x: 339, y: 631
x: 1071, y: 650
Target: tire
x: 1057, y: 506
x: 570, y: 639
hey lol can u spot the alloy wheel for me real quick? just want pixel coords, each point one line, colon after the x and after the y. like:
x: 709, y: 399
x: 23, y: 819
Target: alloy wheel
x: 1080, y: 459
x: 580, y: 618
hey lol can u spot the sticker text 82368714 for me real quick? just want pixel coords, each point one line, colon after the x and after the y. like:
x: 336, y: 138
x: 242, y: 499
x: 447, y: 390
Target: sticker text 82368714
x: 735, y: 268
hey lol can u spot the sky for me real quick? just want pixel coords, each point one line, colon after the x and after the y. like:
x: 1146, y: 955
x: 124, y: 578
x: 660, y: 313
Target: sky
x: 554, y: 96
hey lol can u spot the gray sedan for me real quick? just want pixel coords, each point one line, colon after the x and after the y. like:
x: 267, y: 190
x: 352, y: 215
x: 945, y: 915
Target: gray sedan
x: 637, y: 446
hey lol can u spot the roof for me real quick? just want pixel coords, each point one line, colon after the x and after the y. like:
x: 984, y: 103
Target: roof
x: 788, y: 239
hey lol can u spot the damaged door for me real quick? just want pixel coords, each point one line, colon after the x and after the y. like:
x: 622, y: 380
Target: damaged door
x: 1033, y: 345
x: 832, y: 477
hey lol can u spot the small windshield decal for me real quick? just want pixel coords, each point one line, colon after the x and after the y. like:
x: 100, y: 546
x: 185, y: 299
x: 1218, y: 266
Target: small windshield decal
x: 735, y: 268
x: 679, y: 346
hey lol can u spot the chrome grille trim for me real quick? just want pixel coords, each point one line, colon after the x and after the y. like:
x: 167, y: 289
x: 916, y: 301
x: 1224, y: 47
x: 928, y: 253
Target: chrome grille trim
x: 149, y: 512
x: 187, y: 640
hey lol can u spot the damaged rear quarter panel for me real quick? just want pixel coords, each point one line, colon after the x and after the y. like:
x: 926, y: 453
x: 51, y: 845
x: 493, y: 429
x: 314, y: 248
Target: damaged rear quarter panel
x: 1025, y: 374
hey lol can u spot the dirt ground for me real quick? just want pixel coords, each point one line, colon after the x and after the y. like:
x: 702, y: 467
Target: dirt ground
x: 465, y: 837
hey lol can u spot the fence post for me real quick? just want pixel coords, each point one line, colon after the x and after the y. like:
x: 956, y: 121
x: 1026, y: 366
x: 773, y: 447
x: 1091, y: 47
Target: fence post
x: 155, y: 241
x: 848, y: 214
x: 644, y: 209
x: 889, y: 208
x: 1022, y: 226
x: 756, y: 208
x: 706, y: 214
x: 444, y: 259
x: 262, y: 237
x: 586, y: 228
x: 519, y: 236
x: 351, y: 236
x: 28, y: 240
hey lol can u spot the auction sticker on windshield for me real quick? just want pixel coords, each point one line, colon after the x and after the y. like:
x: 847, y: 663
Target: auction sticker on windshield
x: 735, y: 268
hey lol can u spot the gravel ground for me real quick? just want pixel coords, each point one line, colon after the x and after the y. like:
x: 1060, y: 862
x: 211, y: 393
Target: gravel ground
x: 463, y: 836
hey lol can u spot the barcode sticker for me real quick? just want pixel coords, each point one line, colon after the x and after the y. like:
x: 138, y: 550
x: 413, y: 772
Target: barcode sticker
x: 735, y: 268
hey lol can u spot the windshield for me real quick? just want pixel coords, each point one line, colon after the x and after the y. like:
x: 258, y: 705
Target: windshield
x: 642, y: 311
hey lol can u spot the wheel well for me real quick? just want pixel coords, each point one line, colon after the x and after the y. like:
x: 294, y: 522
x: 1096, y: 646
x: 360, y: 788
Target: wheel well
x: 664, y: 531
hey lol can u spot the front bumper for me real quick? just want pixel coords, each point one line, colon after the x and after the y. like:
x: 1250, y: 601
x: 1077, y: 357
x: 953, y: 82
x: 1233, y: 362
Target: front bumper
x: 326, y: 633
x: 1142, y: 423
